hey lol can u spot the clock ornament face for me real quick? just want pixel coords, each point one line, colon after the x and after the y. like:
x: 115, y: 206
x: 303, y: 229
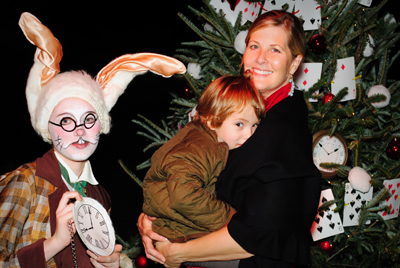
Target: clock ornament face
x: 94, y: 226
x: 329, y: 149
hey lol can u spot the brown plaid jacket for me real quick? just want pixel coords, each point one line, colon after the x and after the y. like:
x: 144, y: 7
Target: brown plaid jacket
x: 29, y: 197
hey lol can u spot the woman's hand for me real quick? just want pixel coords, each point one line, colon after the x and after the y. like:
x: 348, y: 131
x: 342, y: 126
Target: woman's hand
x: 62, y: 236
x: 166, y: 249
x: 111, y: 261
x: 148, y: 236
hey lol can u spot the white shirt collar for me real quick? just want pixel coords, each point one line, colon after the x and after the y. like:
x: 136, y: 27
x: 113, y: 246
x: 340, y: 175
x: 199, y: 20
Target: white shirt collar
x: 87, y: 174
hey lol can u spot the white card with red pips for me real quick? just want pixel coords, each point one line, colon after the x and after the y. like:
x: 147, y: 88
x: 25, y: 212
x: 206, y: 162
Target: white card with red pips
x: 307, y: 75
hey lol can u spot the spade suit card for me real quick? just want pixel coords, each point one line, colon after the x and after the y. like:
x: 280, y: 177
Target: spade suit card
x: 310, y: 12
x: 230, y: 15
x: 393, y: 201
x: 353, y: 201
x: 307, y: 75
x: 277, y: 4
x: 326, y: 223
x: 250, y: 10
x: 345, y: 77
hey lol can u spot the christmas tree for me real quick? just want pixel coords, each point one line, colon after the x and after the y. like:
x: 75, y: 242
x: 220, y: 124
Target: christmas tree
x: 362, y: 112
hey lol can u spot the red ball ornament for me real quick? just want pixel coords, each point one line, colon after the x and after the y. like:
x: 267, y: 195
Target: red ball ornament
x: 317, y: 44
x: 327, y: 98
x: 185, y: 93
x: 141, y: 261
x: 393, y: 149
x: 326, y: 246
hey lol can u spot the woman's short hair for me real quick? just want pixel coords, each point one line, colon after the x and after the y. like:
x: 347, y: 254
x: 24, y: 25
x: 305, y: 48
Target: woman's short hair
x: 224, y: 96
x: 292, y: 25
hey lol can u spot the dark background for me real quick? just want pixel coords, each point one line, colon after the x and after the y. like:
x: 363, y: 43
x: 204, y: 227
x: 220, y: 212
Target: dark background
x: 93, y: 34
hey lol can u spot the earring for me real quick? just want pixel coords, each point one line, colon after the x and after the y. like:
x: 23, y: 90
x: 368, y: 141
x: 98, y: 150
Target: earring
x: 293, y: 85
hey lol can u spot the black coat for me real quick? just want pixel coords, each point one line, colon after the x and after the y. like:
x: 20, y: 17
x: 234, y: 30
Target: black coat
x: 273, y: 184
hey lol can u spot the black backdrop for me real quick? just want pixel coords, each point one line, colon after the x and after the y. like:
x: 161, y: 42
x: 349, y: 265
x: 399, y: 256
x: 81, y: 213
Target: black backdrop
x: 92, y: 34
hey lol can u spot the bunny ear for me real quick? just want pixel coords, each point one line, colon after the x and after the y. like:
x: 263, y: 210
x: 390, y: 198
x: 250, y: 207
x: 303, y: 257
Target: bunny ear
x: 116, y: 76
x: 46, y: 60
x: 49, y: 49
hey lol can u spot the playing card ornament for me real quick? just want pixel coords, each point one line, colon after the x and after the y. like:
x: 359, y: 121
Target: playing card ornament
x: 317, y: 44
x: 327, y: 97
x: 369, y: 47
x: 393, y: 149
x: 194, y: 70
x: 379, y: 89
x: 359, y: 179
x: 240, y: 44
x: 326, y: 246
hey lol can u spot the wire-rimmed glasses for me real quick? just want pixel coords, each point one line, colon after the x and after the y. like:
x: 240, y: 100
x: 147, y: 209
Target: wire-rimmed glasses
x: 68, y: 124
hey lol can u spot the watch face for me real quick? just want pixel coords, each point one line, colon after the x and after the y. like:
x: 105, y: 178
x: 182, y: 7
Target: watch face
x: 329, y: 149
x: 94, y: 226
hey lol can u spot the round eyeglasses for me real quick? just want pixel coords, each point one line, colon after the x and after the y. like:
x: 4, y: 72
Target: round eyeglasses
x: 68, y: 124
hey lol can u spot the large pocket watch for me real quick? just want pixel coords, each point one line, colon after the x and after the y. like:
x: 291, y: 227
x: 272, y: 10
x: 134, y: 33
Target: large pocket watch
x: 94, y: 226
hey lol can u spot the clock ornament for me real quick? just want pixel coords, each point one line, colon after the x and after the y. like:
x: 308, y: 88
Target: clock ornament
x: 94, y: 226
x: 329, y: 149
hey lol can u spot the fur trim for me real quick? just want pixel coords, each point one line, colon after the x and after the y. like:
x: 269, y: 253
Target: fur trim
x: 72, y: 84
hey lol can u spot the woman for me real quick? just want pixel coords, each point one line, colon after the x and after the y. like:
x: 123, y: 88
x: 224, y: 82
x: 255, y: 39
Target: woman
x: 270, y: 180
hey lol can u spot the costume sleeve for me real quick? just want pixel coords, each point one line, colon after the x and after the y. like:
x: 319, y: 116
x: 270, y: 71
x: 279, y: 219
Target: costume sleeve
x: 191, y: 186
x: 15, y: 203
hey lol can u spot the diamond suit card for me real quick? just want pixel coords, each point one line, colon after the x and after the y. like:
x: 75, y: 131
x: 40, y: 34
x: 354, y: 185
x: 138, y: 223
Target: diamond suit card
x: 326, y: 223
x: 394, y: 201
x: 250, y: 10
x: 353, y: 200
x: 345, y: 77
x: 307, y: 75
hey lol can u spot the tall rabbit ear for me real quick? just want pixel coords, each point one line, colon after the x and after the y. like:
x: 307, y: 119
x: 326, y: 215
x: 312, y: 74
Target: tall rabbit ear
x: 116, y: 76
x: 46, y: 60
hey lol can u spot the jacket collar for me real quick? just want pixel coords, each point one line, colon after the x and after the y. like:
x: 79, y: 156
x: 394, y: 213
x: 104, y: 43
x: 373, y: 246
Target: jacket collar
x: 47, y: 168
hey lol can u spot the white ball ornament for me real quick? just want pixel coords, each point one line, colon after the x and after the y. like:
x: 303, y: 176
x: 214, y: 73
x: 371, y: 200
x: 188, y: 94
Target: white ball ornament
x: 379, y: 89
x: 369, y: 47
x: 359, y: 179
x: 240, y: 44
x: 194, y: 70
x: 391, y: 17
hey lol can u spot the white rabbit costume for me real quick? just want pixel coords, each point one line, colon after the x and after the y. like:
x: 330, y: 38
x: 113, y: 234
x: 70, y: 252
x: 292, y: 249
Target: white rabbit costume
x: 31, y: 194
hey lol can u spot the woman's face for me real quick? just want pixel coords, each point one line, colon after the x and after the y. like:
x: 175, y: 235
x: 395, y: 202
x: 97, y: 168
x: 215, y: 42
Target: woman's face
x: 269, y: 57
x: 79, y: 144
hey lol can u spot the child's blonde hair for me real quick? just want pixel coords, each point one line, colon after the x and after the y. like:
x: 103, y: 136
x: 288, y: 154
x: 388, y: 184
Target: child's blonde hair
x: 226, y: 95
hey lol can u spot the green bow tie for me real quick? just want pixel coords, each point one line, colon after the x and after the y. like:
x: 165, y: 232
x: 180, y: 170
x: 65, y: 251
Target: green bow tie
x: 78, y: 186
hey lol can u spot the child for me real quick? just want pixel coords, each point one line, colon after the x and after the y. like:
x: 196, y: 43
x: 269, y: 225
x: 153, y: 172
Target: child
x: 179, y: 188
x: 69, y: 110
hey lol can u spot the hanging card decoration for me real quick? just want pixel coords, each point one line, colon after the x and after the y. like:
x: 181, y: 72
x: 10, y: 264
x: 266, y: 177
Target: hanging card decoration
x: 353, y: 201
x: 392, y: 202
x: 230, y: 15
x: 310, y: 12
x: 277, y: 4
x: 250, y: 10
x: 345, y: 77
x: 326, y: 223
x: 307, y: 75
